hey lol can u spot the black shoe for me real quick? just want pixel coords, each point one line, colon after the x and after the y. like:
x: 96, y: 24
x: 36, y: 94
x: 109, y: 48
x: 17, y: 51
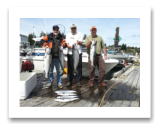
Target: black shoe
x: 69, y: 84
x: 79, y: 84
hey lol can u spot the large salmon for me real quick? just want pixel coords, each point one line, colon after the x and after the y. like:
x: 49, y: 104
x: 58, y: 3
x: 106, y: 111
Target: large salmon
x: 47, y: 62
x: 93, y: 52
x: 61, y: 59
x: 75, y: 53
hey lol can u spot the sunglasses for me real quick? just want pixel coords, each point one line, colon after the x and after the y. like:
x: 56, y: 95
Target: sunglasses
x: 56, y: 29
x: 73, y: 28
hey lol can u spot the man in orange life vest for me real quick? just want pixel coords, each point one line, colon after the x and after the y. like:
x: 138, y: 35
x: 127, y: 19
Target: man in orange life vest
x: 53, y: 40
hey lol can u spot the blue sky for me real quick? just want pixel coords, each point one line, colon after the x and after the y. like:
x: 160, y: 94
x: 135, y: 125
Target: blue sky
x: 129, y: 27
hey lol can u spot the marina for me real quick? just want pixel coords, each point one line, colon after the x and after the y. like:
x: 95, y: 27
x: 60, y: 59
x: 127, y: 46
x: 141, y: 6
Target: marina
x: 122, y: 79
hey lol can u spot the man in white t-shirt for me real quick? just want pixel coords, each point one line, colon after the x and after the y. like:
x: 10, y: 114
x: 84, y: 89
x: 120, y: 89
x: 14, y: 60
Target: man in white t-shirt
x: 71, y: 38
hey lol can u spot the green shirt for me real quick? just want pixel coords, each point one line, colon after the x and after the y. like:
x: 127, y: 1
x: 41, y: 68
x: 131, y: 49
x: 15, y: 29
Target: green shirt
x: 100, y: 44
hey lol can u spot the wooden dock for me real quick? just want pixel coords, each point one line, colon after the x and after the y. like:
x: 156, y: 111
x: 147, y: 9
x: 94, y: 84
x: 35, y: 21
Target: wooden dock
x: 125, y: 93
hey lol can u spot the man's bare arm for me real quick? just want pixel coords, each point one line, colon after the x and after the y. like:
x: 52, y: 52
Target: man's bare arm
x: 104, y: 50
x: 80, y: 43
x: 89, y: 44
x: 69, y: 46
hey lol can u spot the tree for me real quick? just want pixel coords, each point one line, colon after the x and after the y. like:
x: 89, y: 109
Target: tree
x: 84, y: 37
x: 63, y: 35
x: 125, y: 47
x: 122, y: 47
x: 30, y: 36
x: 42, y: 34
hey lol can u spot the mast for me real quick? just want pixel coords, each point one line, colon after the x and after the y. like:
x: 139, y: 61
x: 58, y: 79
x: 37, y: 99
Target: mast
x: 34, y: 31
x: 45, y: 26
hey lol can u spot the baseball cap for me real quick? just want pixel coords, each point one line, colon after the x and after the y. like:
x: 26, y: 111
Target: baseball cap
x: 93, y: 27
x: 73, y: 25
x: 55, y: 26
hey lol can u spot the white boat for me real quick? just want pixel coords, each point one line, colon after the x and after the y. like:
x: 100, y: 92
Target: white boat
x: 109, y: 64
x: 119, y: 56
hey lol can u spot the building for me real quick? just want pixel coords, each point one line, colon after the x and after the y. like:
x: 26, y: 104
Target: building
x: 24, y: 41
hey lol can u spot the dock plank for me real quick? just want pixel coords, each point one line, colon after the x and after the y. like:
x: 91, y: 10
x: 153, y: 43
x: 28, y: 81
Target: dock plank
x: 134, y: 84
x: 121, y: 94
x: 116, y: 104
x: 134, y: 104
x: 87, y: 104
x: 123, y: 84
x: 126, y: 104
x: 138, y: 84
x: 128, y: 71
x: 79, y: 103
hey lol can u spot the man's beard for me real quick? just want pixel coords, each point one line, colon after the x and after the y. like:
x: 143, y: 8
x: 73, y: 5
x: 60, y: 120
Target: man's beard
x: 56, y: 34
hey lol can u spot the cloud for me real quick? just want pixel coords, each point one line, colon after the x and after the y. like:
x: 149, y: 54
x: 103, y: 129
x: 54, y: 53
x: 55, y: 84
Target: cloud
x: 132, y: 36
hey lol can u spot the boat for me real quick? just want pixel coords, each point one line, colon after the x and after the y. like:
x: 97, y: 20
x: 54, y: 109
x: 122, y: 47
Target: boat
x: 109, y: 64
x: 122, y: 57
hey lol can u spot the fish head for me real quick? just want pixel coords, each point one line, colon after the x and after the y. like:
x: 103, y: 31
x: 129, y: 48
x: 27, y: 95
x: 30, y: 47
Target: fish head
x: 95, y: 43
x: 48, y: 50
x: 60, y: 48
x: 74, y: 46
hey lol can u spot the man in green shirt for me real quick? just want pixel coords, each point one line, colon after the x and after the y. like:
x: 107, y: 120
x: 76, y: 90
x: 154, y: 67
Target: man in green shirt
x: 98, y: 60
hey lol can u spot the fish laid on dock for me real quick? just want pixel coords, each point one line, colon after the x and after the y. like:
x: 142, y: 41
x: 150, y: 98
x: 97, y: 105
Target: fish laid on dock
x: 47, y: 62
x: 66, y: 100
x: 65, y: 91
x: 75, y: 53
x: 67, y: 94
x: 61, y: 59
x: 93, y: 52
x: 67, y: 97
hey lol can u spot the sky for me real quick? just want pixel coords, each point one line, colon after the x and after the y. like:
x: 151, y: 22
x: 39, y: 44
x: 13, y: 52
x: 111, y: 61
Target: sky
x: 106, y: 27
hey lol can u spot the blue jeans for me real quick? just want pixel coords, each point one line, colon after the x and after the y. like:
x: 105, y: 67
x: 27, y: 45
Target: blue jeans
x: 55, y: 61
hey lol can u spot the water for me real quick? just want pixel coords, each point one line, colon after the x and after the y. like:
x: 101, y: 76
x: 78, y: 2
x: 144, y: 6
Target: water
x: 108, y: 75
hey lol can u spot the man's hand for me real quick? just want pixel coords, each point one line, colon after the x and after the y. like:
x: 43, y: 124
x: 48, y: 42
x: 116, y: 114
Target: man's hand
x: 69, y: 46
x: 61, y: 44
x: 46, y: 46
x: 91, y: 41
x: 77, y: 42
x: 105, y: 57
x: 89, y: 44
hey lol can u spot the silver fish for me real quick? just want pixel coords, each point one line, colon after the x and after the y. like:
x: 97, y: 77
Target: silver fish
x: 47, y: 61
x: 66, y: 100
x: 65, y: 91
x: 93, y: 52
x: 61, y: 59
x: 75, y: 53
x: 65, y: 96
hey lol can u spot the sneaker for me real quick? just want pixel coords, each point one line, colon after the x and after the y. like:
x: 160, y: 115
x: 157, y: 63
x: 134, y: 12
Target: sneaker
x: 102, y: 85
x: 69, y: 84
x: 79, y: 84
x: 60, y: 86
x: 48, y: 85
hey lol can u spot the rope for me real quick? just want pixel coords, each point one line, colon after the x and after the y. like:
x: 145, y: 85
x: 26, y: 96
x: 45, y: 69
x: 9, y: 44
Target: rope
x: 107, y: 92
x: 112, y: 86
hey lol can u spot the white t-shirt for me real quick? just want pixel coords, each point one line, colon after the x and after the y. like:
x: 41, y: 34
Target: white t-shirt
x: 71, y: 39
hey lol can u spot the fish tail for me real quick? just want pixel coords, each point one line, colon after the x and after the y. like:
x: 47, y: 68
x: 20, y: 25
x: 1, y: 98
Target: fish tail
x: 63, y: 73
x: 92, y: 66
x: 75, y: 72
